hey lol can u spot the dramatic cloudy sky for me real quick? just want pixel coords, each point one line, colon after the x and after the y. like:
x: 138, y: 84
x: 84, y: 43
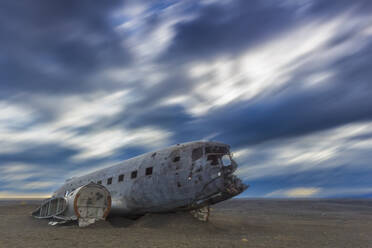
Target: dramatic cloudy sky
x: 84, y: 84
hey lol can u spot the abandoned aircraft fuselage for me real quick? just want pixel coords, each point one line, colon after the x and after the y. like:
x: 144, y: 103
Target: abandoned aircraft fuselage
x: 182, y: 177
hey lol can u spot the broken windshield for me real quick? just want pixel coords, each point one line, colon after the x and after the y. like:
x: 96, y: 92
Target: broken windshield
x: 215, y: 154
x: 226, y: 161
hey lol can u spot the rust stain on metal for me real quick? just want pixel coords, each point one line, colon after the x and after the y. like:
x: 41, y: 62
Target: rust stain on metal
x: 106, y: 213
x: 75, y: 205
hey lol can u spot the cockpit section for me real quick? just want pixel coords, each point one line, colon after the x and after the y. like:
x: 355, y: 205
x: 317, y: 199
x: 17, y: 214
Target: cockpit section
x: 217, y: 165
x: 220, y: 156
x: 214, y: 154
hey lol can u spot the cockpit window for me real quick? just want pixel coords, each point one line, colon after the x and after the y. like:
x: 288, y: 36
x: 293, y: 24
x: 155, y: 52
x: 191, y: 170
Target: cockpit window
x: 226, y: 160
x: 213, y: 159
x: 215, y: 155
x: 197, y: 153
x: 216, y: 149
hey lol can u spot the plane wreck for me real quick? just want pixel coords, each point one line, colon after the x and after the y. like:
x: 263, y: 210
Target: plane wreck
x: 185, y: 177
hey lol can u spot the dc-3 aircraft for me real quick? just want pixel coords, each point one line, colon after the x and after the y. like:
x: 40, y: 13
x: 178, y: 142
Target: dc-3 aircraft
x: 184, y: 177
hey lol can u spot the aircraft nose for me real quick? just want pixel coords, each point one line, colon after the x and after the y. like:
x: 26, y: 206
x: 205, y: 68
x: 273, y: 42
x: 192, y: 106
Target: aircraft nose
x: 234, y: 185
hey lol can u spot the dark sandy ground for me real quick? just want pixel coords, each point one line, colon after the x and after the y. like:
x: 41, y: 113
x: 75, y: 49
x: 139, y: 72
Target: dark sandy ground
x: 234, y: 223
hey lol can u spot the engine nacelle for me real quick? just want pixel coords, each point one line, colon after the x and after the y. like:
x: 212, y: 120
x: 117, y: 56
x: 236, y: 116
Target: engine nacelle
x: 88, y: 203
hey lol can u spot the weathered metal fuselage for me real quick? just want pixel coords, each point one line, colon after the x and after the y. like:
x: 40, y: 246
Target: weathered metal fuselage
x: 182, y: 177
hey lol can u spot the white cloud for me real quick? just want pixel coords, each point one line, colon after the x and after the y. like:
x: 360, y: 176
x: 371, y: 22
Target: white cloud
x: 266, y: 67
x: 13, y: 115
x: 317, y: 79
x: 258, y: 71
x: 146, y: 43
x: 16, y: 173
x: 37, y: 185
x: 16, y: 167
x: 133, y: 9
x: 79, y: 111
x: 104, y: 143
x: 21, y: 177
x: 310, y: 192
x: 295, y: 192
x: 84, y: 110
x: 18, y: 177
x: 208, y: 2
x: 321, y: 150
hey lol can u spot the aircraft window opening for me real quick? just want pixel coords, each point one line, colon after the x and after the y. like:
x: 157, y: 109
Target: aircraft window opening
x: 216, y: 149
x: 176, y: 159
x: 148, y: 171
x: 134, y: 174
x: 121, y: 178
x: 109, y: 181
x: 213, y: 159
x: 226, y: 160
x: 197, y: 153
x: 99, y: 182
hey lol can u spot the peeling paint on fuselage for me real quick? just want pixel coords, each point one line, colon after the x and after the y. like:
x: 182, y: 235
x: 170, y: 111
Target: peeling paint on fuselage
x: 180, y: 179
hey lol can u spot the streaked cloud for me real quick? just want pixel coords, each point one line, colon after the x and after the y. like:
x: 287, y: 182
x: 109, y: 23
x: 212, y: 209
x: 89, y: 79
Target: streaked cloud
x: 295, y: 193
x: 323, y: 150
x: 313, y: 192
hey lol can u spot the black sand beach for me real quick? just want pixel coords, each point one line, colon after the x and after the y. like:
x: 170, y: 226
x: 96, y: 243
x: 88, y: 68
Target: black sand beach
x: 234, y: 223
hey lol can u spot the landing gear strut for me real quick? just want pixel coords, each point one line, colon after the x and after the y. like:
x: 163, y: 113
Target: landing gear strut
x: 201, y: 214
